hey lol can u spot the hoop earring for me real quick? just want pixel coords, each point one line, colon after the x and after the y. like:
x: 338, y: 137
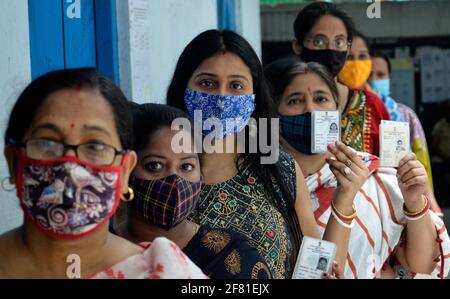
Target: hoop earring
x: 129, y: 196
x: 2, y: 185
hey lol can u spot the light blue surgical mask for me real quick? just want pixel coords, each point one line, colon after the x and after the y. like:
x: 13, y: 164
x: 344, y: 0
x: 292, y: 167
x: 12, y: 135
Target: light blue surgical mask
x: 235, y: 110
x: 381, y: 87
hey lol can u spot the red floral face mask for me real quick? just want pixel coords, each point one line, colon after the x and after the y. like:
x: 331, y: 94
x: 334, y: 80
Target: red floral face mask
x: 68, y: 198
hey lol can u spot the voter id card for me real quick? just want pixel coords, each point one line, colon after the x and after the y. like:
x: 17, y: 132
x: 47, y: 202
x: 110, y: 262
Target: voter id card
x: 325, y: 130
x: 394, y: 142
x: 315, y: 257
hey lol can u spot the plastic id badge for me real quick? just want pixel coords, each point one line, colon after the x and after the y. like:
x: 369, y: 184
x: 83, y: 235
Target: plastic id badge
x: 325, y: 130
x: 315, y: 257
x: 394, y: 142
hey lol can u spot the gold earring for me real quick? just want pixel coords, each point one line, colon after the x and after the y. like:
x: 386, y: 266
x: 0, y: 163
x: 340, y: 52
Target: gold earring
x: 2, y: 185
x: 129, y: 196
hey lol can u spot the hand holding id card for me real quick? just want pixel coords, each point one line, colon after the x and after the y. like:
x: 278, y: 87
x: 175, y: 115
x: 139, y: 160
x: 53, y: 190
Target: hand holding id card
x: 325, y: 130
x: 394, y: 142
x: 315, y: 257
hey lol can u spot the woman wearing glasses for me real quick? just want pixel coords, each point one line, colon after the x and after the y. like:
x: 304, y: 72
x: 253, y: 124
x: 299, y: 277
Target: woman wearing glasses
x: 67, y: 145
x: 324, y: 34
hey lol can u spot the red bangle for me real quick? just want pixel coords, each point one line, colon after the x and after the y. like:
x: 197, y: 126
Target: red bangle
x: 420, y: 213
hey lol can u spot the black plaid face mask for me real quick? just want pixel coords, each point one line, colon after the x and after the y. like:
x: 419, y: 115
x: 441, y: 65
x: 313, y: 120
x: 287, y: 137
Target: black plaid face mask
x: 296, y: 130
x: 165, y: 202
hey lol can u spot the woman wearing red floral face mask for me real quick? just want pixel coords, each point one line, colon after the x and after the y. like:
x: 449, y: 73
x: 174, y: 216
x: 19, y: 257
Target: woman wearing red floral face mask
x: 67, y: 147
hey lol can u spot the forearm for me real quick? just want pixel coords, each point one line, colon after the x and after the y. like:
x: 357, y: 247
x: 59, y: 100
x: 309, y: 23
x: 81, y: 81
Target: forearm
x: 421, y: 245
x: 337, y: 233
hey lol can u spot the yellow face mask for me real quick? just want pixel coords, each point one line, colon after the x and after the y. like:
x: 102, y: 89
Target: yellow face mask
x: 355, y: 73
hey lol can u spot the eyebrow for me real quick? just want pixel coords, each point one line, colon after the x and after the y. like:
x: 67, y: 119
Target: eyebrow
x: 46, y: 126
x: 190, y: 157
x: 322, y: 92
x: 317, y: 92
x: 96, y: 129
x: 297, y: 93
x: 153, y: 156
x: 216, y: 76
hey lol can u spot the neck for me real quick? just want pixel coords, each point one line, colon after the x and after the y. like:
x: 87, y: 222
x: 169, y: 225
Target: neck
x: 343, y: 96
x: 224, y: 160
x: 138, y: 230
x: 49, y: 255
x: 309, y: 164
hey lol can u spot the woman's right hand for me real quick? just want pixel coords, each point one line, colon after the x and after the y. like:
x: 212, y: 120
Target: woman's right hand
x: 349, y: 170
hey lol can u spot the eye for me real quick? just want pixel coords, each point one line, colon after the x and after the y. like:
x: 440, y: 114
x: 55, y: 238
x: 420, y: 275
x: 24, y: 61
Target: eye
x: 154, y: 166
x: 237, y: 86
x: 207, y: 84
x: 187, y: 167
x: 340, y: 43
x: 95, y: 147
x: 350, y: 57
x: 321, y: 100
x: 294, y: 101
x: 319, y: 42
x: 364, y: 57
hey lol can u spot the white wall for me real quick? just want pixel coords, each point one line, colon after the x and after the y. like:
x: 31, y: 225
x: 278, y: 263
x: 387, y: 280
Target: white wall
x: 249, y: 22
x: 152, y: 35
x: 15, y: 74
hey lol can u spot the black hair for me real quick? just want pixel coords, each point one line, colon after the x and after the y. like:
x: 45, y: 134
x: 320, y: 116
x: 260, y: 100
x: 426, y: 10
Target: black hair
x: 375, y: 54
x: 36, y: 92
x: 148, y: 118
x: 281, y: 72
x: 310, y: 15
x: 359, y: 34
x: 209, y: 44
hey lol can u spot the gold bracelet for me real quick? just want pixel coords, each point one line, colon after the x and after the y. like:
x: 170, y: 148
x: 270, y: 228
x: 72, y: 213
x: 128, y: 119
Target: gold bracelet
x: 341, y: 215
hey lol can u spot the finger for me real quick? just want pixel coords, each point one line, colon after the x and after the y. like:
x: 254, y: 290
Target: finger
x: 406, y: 167
x: 422, y: 180
x: 325, y: 275
x: 337, y: 270
x: 419, y: 171
x: 341, y: 178
x: 341, y: 157
x: 407, y: 158
x: 350, y: 154
x: 341, y: 167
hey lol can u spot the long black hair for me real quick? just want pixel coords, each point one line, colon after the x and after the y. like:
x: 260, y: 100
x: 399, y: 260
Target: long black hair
x: 213, y: 42
x: 36, y: 92
x: 310, y: 15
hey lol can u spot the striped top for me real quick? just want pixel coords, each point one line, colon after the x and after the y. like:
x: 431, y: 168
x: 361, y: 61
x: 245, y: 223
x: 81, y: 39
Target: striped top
x: 380, y: 221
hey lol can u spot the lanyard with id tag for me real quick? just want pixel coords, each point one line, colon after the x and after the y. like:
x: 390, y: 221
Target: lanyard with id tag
x: 325, y: 130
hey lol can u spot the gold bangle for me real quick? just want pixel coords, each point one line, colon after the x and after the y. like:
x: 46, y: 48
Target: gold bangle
x: 341, y: 215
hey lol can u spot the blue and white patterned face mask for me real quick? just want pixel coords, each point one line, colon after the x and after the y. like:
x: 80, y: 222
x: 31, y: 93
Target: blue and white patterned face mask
x: 231, y: 112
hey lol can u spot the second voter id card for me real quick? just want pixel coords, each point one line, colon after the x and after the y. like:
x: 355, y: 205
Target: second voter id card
x: 315, y: 258
x: 326, y: 129
x: 394, y: 142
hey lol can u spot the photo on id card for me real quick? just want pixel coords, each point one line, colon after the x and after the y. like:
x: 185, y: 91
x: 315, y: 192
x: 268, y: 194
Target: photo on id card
x: 394, y: 142
x: 315, y: 257
x: 326, y: 129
